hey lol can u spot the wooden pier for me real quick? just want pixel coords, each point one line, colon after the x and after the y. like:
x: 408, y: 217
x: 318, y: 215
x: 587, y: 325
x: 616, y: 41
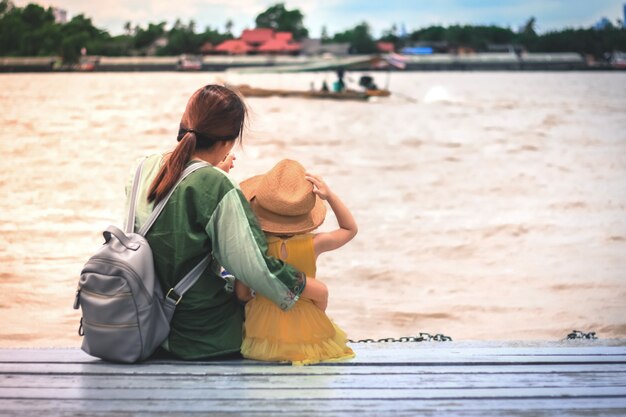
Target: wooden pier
x: 586, y: 377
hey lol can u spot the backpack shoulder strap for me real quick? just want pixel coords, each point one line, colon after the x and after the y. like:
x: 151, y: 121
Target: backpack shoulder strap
x: 159, y: 207
x: 192, y: 276
x: 130, y: 217
x: 174, y: 295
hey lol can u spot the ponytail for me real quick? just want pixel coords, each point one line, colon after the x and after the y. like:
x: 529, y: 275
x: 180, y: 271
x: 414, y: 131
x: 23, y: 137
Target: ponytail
x: 213, y: 114
x: 173, y: 168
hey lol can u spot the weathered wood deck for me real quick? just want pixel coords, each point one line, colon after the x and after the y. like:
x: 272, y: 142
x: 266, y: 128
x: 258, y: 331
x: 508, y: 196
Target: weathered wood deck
x: 407, y: 379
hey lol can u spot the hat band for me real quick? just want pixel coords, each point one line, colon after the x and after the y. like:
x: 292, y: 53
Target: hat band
x: 281, y: 222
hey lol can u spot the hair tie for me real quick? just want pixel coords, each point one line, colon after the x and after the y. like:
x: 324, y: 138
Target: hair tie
x: 202, y: 137
x: 182, y: 131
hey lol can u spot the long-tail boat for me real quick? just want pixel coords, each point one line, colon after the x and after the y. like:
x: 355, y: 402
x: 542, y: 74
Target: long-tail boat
x: 248, y: 91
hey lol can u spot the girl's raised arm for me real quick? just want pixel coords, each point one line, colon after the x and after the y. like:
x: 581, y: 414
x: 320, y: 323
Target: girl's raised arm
x: 324, y: 242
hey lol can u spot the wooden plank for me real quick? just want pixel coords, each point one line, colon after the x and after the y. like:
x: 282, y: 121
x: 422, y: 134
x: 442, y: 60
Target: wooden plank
x: 388, y: 352
x: 342, y: 407
x: 324, y: 381
x: 455, y: 379
x: 391, y: 359
x: 243, y: 392
x: 392, y: 391
x: 185, y: 369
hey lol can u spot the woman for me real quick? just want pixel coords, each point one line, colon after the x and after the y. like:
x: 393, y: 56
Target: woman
x: 208, y: 214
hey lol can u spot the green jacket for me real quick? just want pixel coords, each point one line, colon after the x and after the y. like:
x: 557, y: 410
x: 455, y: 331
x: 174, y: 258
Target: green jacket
x: 208, y: 214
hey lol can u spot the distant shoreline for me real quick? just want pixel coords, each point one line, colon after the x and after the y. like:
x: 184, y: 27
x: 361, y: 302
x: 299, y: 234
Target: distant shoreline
x: 268, y: 63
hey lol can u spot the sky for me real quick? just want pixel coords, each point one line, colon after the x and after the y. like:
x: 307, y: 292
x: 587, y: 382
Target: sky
x: 339, y: 15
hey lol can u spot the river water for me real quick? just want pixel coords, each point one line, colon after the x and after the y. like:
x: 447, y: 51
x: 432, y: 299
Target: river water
x: 491, y: 205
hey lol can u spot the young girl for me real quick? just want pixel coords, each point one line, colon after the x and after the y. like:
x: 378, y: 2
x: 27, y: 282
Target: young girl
x: 288, y: 205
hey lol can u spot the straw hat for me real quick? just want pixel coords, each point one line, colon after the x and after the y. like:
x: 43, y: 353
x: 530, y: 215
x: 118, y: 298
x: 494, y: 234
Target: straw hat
x: 283, y: 200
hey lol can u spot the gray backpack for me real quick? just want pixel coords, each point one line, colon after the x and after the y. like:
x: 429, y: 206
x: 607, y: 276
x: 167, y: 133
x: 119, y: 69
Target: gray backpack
x: 125, y: 316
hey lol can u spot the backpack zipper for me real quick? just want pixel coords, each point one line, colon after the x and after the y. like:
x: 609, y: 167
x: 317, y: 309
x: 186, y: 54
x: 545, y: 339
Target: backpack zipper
x: 125, y: 268
x: 120, y: 325
x: 77, y: 300
x: 100, y: 295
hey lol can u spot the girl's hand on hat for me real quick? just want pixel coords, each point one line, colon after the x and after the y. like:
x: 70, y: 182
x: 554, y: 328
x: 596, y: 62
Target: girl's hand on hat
x: 227, y: 163
x: 319, y: 186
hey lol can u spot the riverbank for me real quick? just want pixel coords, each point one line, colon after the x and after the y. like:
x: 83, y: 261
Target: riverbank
x: 271, y: 63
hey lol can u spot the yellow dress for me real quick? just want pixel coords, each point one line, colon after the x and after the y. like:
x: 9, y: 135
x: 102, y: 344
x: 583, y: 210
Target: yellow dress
x: 304, y: 334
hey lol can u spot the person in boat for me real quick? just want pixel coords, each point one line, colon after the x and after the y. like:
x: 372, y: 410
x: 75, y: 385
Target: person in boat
x: 208, y: 214
x: 368, y: 83
x: 340, y: 85
x: 325, y: 87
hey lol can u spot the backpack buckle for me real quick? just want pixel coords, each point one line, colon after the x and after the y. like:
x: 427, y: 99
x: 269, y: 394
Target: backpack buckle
x: 180, y: 297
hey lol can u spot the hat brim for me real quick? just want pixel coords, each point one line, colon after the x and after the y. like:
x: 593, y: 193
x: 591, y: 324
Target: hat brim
x: 250, y: 185
x: 276, y: 223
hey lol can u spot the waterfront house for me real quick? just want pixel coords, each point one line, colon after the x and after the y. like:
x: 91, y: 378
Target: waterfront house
x: 260, y: 40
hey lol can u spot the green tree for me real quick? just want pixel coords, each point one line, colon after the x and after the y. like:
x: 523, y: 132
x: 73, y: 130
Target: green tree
x: 583, y: 41
x: 359, y: 37
x: 4, y: 6
x: 37, y: 24
x: 390, y: 35
x: 12, y: 29
x: 431, y: 33
x: 27, y: 31
x: 182, y: 39
x: 214, y: 36
x: 528, y: 36
x: 324, y: 35
x: 476, y: 37
x: 79, y: 33
x: 35, y: 16
x: 128, y: 28
x: 529, y: 27
x: 31, y: 30
x: 112, y: 46
x: 229, y: 27
x: 146, y: 37
x: 277, y: 17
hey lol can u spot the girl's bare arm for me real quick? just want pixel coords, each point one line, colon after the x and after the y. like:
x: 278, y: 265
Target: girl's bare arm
x: 324, y: 242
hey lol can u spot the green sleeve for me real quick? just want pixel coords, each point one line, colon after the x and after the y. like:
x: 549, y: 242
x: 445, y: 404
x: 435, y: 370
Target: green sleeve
x: 239, y: 246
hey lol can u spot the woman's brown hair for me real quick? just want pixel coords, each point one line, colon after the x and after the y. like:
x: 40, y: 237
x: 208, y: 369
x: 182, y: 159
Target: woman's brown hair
x: 213, y: 114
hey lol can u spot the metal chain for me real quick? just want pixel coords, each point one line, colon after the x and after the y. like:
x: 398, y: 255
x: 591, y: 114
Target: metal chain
x: 423, y: 337
x: 427, y: 337
x: 577, y: 334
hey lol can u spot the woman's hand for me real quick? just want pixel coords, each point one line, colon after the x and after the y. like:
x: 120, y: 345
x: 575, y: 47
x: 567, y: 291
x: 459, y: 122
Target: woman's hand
x: 227, y: 163
x: 319, y: 186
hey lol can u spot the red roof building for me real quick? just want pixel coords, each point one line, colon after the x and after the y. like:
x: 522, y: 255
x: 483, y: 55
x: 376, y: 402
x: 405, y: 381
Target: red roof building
x: 256, y: 37
x: 261, y: 40
x: 206, y: 48
x: 278, y: 46
x: 385, y: 47
x: 233, y: 47
x: 284, y: 36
